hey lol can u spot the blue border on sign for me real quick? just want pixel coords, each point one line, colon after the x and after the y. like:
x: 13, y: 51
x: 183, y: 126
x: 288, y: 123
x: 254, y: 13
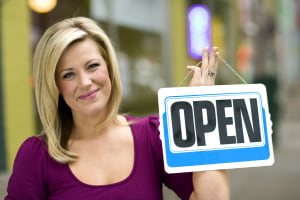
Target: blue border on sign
x: 218, y: 156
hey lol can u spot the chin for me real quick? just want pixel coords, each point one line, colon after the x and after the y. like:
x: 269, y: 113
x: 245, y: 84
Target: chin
x: 95, y: 110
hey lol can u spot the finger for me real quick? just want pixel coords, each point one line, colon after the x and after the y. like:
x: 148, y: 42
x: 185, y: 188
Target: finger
x: 213, y: 58
x: 196, y: 78
x: 190, y: 67
x: 216, y: 61
x: 204, y: 58
x: 205, y: 65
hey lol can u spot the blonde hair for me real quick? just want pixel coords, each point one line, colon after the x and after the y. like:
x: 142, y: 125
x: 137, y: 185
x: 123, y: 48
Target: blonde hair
x: 55, y: 115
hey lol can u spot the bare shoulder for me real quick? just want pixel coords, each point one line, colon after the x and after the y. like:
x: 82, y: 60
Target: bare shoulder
x: 121, y: 131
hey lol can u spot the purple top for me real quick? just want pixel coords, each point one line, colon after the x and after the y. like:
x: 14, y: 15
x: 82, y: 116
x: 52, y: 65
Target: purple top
x: 36, y: 176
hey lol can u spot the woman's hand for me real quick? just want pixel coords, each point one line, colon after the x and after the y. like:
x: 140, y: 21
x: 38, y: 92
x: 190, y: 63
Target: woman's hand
x: 211, y: 185
x: 206, y: 74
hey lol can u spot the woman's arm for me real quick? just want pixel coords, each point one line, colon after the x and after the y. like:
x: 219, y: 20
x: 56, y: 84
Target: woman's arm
x: 27, y: 181
x: 212, y: 185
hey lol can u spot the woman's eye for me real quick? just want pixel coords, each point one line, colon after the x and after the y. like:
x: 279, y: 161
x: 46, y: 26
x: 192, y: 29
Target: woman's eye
x: 92, y: 66
x: 68, y: 75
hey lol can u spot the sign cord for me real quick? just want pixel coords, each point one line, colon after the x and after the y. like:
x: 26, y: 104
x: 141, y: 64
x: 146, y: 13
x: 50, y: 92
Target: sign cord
x: 235, y: 72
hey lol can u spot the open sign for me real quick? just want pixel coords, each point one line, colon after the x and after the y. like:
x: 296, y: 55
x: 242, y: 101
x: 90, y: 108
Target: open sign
x: 215, y: 127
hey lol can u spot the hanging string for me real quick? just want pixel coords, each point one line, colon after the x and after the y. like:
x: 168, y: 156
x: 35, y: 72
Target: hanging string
x: 226, y: 64
x: 235, y: 72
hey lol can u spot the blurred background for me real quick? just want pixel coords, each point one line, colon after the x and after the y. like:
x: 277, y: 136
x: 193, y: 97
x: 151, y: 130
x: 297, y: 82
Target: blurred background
x: 155, y: 40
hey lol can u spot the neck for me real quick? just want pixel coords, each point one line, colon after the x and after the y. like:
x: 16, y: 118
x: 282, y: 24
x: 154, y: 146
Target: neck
x: 86, y: 126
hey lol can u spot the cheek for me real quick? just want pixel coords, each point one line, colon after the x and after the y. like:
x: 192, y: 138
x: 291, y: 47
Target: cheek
x: 103, y: 76
x: 66, y: 90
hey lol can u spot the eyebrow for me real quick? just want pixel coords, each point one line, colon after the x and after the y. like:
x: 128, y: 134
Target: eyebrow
x: 93, y: 60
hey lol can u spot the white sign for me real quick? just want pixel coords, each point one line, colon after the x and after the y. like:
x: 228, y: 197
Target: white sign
x: 215, y: 127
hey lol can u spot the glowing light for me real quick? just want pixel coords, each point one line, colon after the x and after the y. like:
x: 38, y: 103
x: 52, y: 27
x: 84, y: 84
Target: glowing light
x: 42, y: 6
x: 199, y: 30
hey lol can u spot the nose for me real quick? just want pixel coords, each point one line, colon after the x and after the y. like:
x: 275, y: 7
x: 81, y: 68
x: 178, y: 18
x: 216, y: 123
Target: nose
x: 84, y: 79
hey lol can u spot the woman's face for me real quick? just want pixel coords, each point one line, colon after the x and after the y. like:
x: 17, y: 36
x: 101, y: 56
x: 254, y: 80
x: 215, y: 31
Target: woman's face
x: 82, y: 78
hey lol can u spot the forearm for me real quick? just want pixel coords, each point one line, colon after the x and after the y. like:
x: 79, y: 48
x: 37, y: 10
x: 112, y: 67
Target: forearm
x: 211, y: 185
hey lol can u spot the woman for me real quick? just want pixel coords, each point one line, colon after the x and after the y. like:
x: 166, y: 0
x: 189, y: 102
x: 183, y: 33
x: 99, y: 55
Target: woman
x: 88, y: 150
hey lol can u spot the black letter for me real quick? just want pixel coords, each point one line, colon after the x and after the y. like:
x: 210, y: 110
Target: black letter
x: 189, y: 124
x: 223, y: 121
x: 202, y: 128
x: 240, y: 110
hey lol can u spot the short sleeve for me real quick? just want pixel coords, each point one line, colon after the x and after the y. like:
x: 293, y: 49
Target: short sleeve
x: 180, y: 183
x: 27, y: 181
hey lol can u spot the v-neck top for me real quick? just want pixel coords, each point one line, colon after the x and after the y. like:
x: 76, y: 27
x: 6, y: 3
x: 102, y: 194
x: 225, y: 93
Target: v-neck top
x: 36, y: 176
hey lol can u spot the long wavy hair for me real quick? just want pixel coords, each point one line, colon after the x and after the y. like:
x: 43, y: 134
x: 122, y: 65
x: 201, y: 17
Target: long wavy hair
x: 55, y: 114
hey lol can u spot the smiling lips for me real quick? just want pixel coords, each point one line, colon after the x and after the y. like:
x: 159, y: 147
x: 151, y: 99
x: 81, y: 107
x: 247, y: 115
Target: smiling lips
x: 89, y: 95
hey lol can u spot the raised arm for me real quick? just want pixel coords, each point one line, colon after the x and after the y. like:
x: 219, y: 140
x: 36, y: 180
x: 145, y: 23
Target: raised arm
x: 208, y: 185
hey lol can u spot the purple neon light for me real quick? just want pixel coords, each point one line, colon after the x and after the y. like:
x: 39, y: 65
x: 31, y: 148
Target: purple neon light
x: 198, y: 30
